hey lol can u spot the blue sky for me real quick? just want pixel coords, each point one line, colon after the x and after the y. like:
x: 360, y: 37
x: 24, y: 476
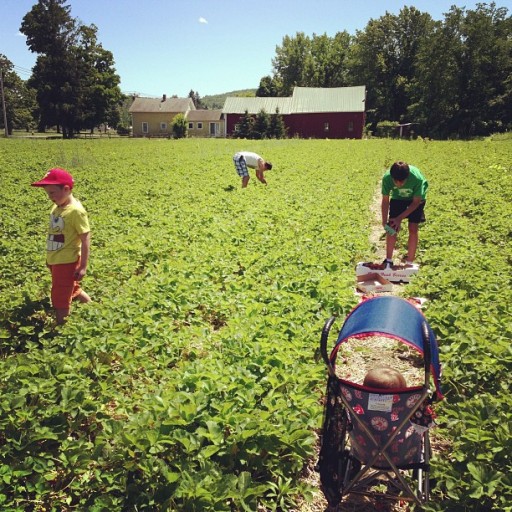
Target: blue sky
x: 210, y: 46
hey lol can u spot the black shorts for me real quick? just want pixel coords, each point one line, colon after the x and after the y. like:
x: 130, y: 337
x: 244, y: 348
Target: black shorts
x: 398, y: 206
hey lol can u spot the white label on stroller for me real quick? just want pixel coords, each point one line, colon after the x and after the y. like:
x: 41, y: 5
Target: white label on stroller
x: 419, y: 429
x: 380, y: 402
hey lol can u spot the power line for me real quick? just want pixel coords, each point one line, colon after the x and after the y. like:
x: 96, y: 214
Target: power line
x: 22, y: 71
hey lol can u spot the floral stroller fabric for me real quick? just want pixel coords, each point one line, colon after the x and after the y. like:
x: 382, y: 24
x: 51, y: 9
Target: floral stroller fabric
x: 376, y: 442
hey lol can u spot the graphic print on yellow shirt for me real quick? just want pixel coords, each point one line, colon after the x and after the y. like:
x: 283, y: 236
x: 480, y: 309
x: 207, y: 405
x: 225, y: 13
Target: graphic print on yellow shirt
x: 66, y: 225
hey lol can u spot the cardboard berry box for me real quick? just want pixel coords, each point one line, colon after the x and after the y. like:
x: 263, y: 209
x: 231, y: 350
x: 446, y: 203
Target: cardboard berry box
x: 395, y: 274
x: 373, y: 283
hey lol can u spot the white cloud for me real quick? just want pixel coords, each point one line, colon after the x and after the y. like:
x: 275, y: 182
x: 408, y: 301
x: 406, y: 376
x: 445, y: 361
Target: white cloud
x: 203, y: 20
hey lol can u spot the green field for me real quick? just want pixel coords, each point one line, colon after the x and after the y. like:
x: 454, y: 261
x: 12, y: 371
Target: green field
x: 192, y: 382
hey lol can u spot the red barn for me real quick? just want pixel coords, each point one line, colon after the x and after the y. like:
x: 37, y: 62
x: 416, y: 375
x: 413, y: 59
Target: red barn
x: 311, y: 112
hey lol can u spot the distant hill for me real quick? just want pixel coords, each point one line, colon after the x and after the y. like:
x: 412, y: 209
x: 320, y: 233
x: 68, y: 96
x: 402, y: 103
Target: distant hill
x: 216, y: 101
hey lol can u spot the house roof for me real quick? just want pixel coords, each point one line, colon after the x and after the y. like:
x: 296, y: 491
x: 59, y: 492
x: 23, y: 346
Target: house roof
x: 332, y: 99
x: 204, y: 115
x: 238, y: 105
x: 162, y: 105
x: 303, y: 100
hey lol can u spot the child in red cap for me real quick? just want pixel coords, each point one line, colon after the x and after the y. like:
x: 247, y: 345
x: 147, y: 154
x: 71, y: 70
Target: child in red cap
x: 68, y: 242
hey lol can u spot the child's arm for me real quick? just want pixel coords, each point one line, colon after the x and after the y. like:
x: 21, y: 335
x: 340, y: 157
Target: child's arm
x: 416, y: 201
x: 84, y: 257
x: 384, y: 207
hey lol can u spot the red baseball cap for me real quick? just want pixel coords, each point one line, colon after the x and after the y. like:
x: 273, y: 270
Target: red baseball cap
x: 56, y: 176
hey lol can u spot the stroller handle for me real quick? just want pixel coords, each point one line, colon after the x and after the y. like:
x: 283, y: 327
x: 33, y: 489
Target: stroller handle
x: 323, y: 343
x: 427, y: 357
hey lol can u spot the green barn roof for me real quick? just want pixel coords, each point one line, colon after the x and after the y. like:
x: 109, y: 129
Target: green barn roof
x: 238, y: 105
x: 303, y: 100
x: 334, y: 99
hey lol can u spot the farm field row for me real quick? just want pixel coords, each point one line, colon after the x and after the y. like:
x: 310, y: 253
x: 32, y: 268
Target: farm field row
x: 192, y: 381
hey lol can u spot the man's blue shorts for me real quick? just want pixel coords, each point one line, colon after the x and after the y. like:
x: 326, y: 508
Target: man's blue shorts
x: 241, y: 165
x: 398, y: 206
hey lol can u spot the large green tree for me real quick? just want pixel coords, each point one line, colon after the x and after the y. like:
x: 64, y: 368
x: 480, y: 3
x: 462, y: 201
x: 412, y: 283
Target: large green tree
x: 269, y: 87
x: 435, y: 94
x: 330, y: 60
x: 486, y: 71
x: 463, y: 85
x: 74, y: 78
x: 383, y: 57
x: 293, y: 62
x: 101, y: 96
x: 20, y: 104
x: 317, y: 61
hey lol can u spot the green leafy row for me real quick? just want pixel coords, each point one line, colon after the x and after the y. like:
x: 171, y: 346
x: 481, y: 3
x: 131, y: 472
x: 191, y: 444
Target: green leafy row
x: 468, y: 280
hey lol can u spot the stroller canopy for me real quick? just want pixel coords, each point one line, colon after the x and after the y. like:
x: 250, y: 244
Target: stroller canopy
x: 395, y: 318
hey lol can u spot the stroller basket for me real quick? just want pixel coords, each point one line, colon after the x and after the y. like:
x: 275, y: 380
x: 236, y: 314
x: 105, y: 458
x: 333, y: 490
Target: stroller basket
x: 374, y: 438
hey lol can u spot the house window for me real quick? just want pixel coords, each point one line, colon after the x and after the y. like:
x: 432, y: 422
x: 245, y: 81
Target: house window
x: 350, y: 126
x: 190, y: 126
x: 199, y: 126
x: 145, y: 127
x: 163, y: 127
x: 326, y: 127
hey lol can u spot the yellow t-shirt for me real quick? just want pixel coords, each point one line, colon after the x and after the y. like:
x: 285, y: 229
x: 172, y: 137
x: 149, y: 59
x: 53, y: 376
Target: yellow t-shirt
x: 66, y: 224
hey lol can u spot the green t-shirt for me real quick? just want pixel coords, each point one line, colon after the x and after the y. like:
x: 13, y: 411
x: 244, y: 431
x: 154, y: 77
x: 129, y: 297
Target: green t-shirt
x: 415, y: 185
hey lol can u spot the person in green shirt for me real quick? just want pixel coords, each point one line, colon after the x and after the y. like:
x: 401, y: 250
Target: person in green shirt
x: 404, y: 191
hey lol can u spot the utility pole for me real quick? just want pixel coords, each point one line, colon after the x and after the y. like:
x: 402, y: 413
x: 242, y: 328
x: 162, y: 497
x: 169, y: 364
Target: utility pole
x: 3, y: 103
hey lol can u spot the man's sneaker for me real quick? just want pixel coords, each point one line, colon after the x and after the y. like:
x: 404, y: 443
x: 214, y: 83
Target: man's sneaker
x: 387, y: 263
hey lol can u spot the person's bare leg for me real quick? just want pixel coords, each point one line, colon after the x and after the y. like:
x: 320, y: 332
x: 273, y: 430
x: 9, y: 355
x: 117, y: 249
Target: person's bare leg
x: 390, y: 246
x: 83, y: 297
x: 412, y: 243
x: 245, y: 180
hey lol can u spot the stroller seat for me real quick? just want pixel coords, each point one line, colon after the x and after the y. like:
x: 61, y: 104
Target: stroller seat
x: 372, y: 435
x: 381, y: 420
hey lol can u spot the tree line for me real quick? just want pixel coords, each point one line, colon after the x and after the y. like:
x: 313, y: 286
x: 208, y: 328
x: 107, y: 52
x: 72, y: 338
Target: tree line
x: 448, y: 78
x: 261, y: 126
x: 74, y: 85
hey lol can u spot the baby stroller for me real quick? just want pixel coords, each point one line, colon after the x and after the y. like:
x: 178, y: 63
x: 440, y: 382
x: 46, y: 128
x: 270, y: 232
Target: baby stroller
x: 375, y: 442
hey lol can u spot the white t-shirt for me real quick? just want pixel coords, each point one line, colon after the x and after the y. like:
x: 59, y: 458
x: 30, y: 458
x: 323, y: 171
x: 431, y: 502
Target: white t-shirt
x: 251, y: 159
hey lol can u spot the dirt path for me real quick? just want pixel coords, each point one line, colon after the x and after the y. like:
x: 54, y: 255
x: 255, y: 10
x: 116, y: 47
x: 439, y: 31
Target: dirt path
x: 355, y: 364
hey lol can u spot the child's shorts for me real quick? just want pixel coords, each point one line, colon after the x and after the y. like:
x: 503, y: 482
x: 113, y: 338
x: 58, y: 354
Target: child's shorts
x: 64, y: 286
x: 398, y: 206
x: 241, y: 165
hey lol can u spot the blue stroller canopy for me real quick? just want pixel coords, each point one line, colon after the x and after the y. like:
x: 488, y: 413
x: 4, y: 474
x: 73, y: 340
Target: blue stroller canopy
x: 395, y: 318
